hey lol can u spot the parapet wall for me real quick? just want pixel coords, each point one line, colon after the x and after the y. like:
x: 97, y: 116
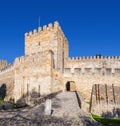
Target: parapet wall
x: 8, y: 68
x: 93, y: 65
x: 3, y: 64
x: 91, y: 58
x: 45, y: 29
x: 34, y: 58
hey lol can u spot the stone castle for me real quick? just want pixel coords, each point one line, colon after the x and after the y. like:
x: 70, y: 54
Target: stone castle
x: 46, y: 67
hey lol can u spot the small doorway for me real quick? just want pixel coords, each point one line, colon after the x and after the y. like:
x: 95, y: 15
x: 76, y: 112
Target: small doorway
x: 70, y: 86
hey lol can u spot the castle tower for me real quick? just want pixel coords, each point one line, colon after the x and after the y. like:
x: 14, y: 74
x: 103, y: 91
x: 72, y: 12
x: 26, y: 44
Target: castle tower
x: 48, y: 38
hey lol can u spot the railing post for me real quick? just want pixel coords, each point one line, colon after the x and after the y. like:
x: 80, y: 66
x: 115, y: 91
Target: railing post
x: 106, y: 93
x: 113, y: 93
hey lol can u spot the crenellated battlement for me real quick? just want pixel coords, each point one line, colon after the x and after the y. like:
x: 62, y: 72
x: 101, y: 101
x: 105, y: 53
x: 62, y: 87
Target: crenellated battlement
x: 45, y: 28
x: 33, y: 57
x: 8, y: 68
x: 3, y: 64
x: 91, y: 58
x: 41, y: 32
x: 3, y: 61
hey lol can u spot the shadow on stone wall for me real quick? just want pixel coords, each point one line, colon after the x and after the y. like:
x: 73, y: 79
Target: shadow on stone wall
x: 3, y: 91
x: 112, y: 114
x: 34, y: 98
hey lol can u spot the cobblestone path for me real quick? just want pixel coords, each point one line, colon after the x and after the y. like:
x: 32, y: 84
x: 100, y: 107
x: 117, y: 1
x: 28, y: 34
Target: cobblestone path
x: 66, y: 104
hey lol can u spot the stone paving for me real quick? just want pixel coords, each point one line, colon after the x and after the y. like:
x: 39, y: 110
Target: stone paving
x: 66, y: 104
x: 65, y: 112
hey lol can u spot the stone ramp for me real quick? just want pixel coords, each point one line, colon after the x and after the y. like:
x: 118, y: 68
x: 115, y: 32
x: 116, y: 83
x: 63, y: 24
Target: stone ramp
x: 66, y: 104
x: 66, y: 112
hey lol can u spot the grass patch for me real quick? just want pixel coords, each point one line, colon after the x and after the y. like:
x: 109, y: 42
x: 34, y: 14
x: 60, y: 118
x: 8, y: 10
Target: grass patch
x: 1, y: 100
x: 107, y: 121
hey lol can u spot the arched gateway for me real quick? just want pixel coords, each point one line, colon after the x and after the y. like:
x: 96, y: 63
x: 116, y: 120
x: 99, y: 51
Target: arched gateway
x: 70, y: 86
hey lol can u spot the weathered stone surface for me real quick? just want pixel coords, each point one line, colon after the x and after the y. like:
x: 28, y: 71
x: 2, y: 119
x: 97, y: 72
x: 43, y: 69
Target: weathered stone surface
x: 20, y: 104
x: 6, y: 106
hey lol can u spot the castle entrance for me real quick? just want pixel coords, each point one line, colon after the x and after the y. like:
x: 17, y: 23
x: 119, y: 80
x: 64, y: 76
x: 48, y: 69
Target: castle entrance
x: 70, y: 86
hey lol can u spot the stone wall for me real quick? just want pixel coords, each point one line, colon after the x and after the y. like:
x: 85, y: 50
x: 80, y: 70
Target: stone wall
x: 105, y: 100
x: 57, y: 81
x: 33, y: 74
x: 7, y: 78
x: 88, y: 71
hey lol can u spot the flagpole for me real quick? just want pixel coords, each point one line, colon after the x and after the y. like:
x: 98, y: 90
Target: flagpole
x: 39, y: 22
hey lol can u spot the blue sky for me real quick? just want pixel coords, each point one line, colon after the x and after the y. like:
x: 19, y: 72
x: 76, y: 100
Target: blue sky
x: 91, y: 26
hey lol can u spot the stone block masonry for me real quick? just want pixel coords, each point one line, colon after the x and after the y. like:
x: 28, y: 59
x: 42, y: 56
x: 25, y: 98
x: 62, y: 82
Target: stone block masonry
x: 33, y: 74
x: 7, y: 78
x: 105, y: 100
